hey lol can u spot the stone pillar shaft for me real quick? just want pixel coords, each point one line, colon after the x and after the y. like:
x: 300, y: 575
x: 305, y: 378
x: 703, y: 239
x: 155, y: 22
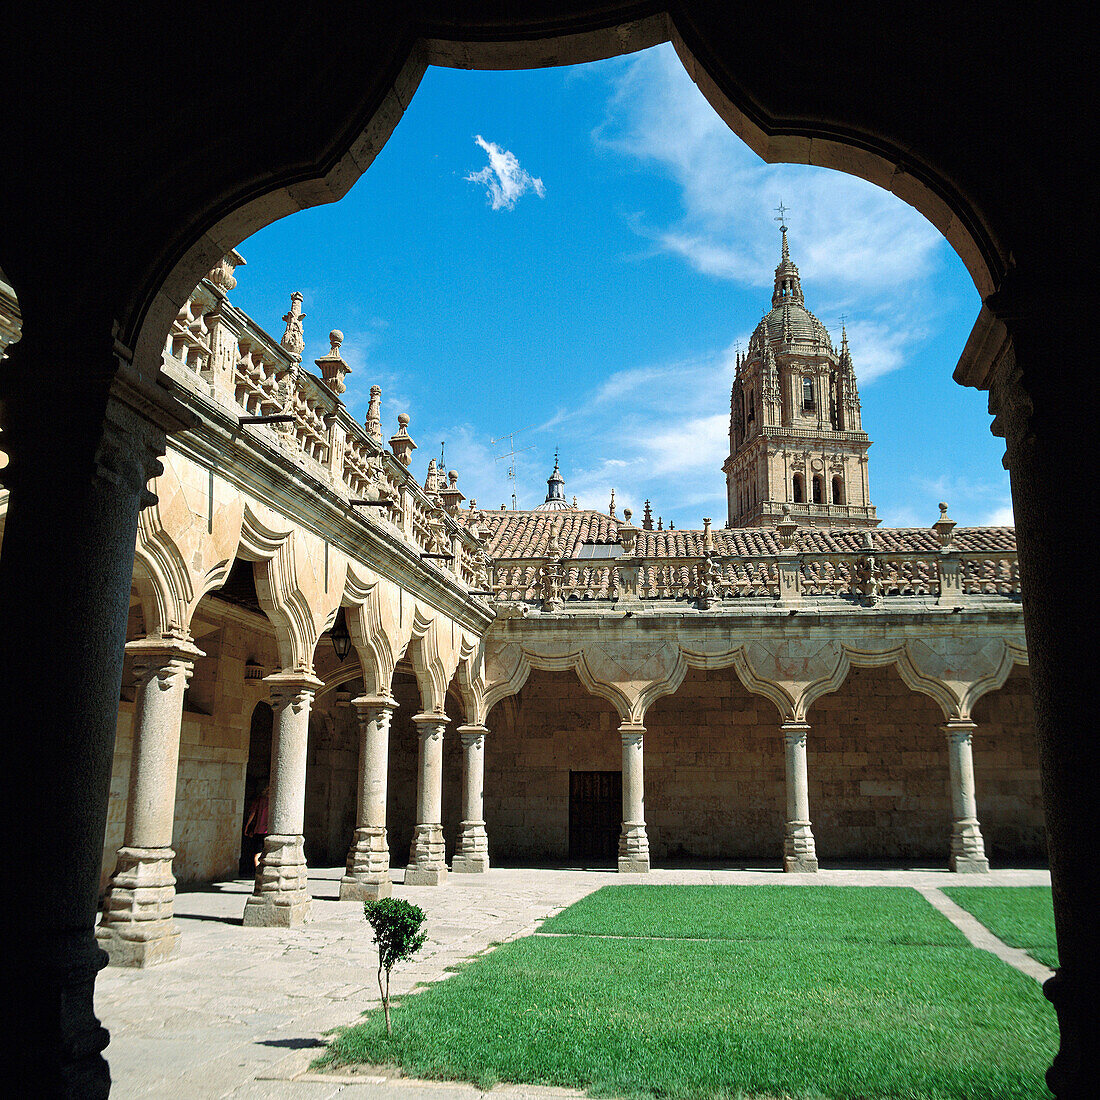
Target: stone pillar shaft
x: 967, y: 845
x: 472, y: 851
x: 427, y: 859
x: 368, y: 872
x: 799, y: 847
x: 137, y: 927
x: 633, y: 841
x: 281, y: 894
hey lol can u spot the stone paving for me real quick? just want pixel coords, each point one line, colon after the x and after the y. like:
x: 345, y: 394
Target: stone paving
x: 242, y: 1012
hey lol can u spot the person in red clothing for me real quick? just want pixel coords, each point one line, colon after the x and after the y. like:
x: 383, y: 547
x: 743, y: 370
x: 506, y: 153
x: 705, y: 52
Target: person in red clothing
x: 256, y: 825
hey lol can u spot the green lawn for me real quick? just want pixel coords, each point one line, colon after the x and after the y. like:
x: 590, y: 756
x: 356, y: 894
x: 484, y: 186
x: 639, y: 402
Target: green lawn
x: 1022, y: 916
x: 754, y: 991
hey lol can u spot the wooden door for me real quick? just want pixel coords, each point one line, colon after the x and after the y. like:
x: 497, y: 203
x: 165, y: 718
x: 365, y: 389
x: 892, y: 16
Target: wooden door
x: 595, y: 817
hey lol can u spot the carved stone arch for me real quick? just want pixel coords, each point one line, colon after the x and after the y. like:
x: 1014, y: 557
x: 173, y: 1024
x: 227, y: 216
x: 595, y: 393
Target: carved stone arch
x: 162, y: 578
x: 957, y: 672
x: 471, y: 677
x: 430, y: 664
x: 850, y: 655
x: 791, y: 673
x: 370, y: 610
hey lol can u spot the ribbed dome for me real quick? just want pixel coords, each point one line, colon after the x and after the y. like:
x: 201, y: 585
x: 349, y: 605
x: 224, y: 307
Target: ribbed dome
x: 555, y: 492
x: 795, y: 320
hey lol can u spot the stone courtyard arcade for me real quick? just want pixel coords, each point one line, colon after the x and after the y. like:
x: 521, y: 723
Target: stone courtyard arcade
x: 113, y: 217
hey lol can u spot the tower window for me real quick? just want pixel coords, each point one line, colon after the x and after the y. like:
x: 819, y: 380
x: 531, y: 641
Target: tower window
x: 798, y: 490
x: 752, y: 407
x: 807, y: 392
x: 818, y: 490
x: 838, y: 491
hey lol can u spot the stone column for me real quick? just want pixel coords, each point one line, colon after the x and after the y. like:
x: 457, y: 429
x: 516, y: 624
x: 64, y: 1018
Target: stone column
x: 427, y: 861
x: 472, y: 853
x: 799, y: 849
x: 967, y: 846
x: 137, y: 927
x: 368, y: 874
x: 281, y: 895
x: 80, y: 459
x: 633, y: 842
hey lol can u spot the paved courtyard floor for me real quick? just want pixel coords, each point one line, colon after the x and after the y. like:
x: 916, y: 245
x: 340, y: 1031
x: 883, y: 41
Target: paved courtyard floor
x: 242, y: 1012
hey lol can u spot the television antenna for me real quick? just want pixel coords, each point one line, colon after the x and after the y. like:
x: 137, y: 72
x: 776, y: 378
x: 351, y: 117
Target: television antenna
x: 511, y: 453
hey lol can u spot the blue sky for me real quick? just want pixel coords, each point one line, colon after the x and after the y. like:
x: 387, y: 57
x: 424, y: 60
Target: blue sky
x: 573, y: 254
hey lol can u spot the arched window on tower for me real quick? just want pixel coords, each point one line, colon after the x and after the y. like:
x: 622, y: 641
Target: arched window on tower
x: 752, y: 407
x: 807, y: 392
x: 798, y: 490
x: 838, y: 490
x: 819, y: 493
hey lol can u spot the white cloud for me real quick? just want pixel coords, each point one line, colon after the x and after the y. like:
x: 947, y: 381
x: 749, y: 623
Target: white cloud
x: 857, y: 247
x: 1000, y: 517
x: 505, y: 180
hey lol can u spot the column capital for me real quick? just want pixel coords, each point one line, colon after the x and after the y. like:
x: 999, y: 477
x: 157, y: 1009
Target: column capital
x: 473, y: 729
x: 292, y: 680
x: 794, y: 729
x: 631, y: 729
x: 374, y: 702
x: 959, y: 729
x: 429, y: 719
x: 161, y: 649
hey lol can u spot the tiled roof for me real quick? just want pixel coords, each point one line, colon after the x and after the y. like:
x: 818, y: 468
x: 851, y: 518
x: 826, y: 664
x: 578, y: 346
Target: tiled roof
x: 526, y: 534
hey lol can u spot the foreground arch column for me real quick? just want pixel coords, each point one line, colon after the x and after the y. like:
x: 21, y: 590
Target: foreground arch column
x: 79, y: 463
x: 472, y: 853
x: 368, y: 873
x: 137, y: 928
x: 633, y: 840
x: 799, y: 847
x: 427, y: 857
x: 281, y: 895
x: 967, y: 845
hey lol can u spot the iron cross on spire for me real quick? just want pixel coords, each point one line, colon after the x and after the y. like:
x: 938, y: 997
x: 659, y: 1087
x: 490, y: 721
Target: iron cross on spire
x: 782, y: 211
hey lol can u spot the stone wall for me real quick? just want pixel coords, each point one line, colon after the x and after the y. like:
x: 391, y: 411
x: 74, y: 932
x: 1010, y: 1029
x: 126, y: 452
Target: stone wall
x: 534, y: 740
x: 714, y: 771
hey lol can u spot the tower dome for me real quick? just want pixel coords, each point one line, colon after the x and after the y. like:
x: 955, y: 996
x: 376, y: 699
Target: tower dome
x: 555, y: 491
x: 789, y: 321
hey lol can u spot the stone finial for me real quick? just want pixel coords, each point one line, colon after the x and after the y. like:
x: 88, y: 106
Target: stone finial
x: 221, y: 275
x: 659, y: 525
x: 450, y: 494
x: 553, y: 548
x: 611, y: 506
x: 293, y: 339
x: 944, y: 528
x: 785, y: 529
x: 708, y: 536
x: 332, y: 366
x: 869, y: 542
x: 373, y: 422
x: 647, y: 518
x: 400, y: 442
x: 628, y: 533
x: 574, y: 500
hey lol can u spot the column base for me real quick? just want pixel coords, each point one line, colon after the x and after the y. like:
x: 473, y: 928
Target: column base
x: 427, y: 859
x: 281, y: 897
x: 633, y: 849
x: 968, y: 849
x: 137, y: 928
x: 799, y: 849
x: 367, y: 888
x: 472, y: 854
x: 368, y: 873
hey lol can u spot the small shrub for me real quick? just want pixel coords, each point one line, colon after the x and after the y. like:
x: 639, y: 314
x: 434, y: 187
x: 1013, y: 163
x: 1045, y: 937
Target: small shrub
x: 398, y: 933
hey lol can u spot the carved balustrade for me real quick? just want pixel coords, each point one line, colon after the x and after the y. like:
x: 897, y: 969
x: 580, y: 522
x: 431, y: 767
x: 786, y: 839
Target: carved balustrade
x: 856, y: 576
x: 261, y: 377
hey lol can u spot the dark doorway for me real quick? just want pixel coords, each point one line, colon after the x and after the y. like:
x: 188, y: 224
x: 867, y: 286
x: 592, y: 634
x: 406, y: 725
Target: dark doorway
x: 595, y: 817
x: 255, y: 779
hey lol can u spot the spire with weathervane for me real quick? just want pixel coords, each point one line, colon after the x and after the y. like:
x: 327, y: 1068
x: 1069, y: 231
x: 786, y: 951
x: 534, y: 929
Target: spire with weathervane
x: 555, y: 491
x: 796, y: 437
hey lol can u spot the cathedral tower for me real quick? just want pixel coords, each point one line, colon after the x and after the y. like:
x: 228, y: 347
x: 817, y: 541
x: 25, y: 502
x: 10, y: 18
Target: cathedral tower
x: 795, y: 434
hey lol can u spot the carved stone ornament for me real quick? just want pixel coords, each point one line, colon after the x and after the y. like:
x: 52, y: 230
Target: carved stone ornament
x: 221, y: 275
x: 332, y: 366
x: 293, y: 339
